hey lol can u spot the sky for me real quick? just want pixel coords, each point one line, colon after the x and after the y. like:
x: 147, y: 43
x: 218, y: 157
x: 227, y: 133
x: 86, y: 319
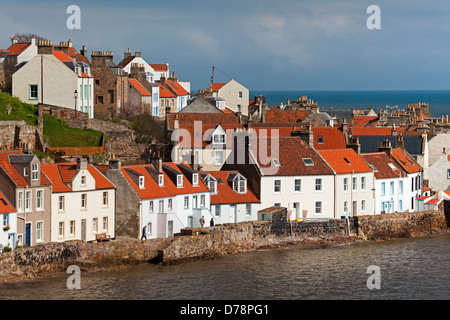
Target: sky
x: 277, y: 44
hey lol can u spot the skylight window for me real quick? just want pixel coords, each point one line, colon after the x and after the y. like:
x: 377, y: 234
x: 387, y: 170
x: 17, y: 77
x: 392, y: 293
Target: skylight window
x: 276, y: 162
x: 346, y: 160
x: 319, y: 139
x: 308, y: 161
x: 392, y: 166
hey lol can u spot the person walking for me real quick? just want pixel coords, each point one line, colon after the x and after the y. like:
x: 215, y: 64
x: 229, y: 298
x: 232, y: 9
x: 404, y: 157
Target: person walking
x: 144, y: 233
x: 202, y: 221
x: 211, y: 222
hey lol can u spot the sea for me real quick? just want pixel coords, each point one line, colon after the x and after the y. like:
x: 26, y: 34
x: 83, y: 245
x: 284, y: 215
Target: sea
x: 438, y: 100
x: 401, y: 269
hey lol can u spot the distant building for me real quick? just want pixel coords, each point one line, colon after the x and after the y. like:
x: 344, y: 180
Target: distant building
x: 53, y: 78
x: 8, y: 221
x: 236, y: 96
x: 232, y: 200
x: 110, y: 86
x: 83, y: 201
x: 29, y: 191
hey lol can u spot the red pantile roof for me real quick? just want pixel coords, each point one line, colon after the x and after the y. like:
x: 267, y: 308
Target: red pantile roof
x: 18, y: 48
x: 225, y: 193
x: 345, y: 161
x: 159, y: 67
x: 384, y: 165
x: 405, y: 161
x: 274, y: 115
x: 16, y: 177
x: 61, y: 174
x: 176, y: 87
x: 62, y: 56
x: 205, y: 118
x: 216, y: 86
x: 293, y: 155
x: 11, y: 171
x: 165, y: 93
x: 139, y: 87
x: 125, y: 61
x: 187, y: 186
x: 328, y: 138
x: 5, y: 205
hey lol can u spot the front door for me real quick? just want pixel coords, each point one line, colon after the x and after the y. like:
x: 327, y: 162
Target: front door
x: 28, y: 234
x: 83, y: 230
x: 170, y: 228
x: 233, y: 213
x: 297, y: 210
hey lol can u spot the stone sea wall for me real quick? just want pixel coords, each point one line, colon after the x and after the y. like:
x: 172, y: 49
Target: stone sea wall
x: 211, y: 242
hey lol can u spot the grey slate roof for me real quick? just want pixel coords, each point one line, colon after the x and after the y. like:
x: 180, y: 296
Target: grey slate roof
x: 413, y: 144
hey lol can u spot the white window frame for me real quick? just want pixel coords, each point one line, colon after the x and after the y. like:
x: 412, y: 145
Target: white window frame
x: 39, y: 199
x: 298, y: 185
x: 318, y: 207
x: 28, y: 204
x: 141, y: 182
x: 105, y: 199
x: 345, y: 184
x: 195, y: 179
x: 161, y: 206
x: 105, y: 223
x: 318, y: 183
x: 222, y: 157
x: 84, y: 201
x: 186, y: 202
x: 61, y: 229
x: 39, y: 231
x: 169, y: 204
x: 72, y: 228
x: 275, y: 186
x: 35, y: 171
x: 20, y: 199
x: 61, y: 202
x: 94, y: 225
x: 179, y: 180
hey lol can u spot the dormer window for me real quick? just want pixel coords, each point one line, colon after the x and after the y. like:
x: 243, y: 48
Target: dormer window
x: 141, y: 182
x: 195, y: 179
x: 161, y: 180
x: 240, y: 186
x: 87, y: 70
x: 35, y: 171
x: 219, y: 138
x: 212, y: 187
x: 26, y: 171
x: 78, y: 70
x: 179, y: 180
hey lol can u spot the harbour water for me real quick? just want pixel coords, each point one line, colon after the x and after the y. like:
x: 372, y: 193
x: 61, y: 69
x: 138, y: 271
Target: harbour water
x: 410, y: 269
x: 438, y: 100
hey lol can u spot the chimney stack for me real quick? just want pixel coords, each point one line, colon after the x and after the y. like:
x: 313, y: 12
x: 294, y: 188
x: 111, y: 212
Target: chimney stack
x: 45, y: 47
x: 14, y: 40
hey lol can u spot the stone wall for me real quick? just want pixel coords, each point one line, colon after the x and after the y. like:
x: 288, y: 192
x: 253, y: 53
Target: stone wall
x: 402, y: 225
x: 29, y: 262
x: 211, y: 242
x: 19, y: 134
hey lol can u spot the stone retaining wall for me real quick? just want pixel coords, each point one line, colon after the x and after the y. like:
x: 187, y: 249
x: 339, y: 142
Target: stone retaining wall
x: 215, y: 241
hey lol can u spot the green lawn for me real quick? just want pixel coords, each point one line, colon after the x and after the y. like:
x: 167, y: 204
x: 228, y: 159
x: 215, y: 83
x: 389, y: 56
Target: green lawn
x: 57, y: 133
x: 19, y: 110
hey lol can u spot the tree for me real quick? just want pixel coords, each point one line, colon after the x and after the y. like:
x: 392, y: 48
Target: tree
x: 26, y: 37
